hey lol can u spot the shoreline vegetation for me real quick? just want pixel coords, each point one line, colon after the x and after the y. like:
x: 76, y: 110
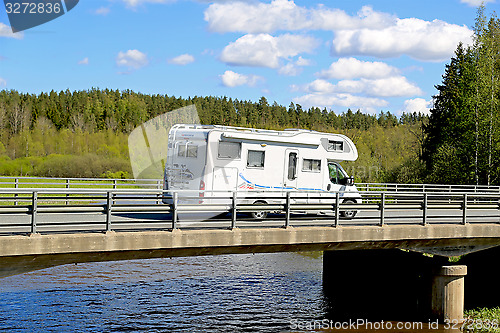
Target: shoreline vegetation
x: 483, y: 320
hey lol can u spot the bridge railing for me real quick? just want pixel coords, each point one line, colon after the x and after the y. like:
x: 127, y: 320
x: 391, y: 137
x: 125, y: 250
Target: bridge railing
x: 394, y: 187
x: 117, y: 183
x: 30, y: 211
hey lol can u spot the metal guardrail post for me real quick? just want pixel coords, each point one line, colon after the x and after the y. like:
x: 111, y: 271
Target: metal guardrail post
x: 382, y: 208
x: 34, y: 208
x: 109, y: 205
x: 16, y: 185
x: 424, y: 210
x: 337, y: 209
x: 464, y: 209
x: 114, y: 184
x: 67, y: 195
x: 174, y: 211
x: 287, y: 209
x: 233, y: 210
x: 159, y: 188
x: 499, y: 207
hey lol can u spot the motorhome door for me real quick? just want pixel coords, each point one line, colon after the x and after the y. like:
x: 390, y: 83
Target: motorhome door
x: 337, y: 177
x: 291, y: 169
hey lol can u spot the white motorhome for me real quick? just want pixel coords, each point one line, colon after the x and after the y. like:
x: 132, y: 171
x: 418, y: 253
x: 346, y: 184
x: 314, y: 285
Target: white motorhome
x: 223, y: 158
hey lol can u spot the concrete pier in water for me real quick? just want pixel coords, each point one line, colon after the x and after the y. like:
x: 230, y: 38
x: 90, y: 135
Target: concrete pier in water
x: 448, y: 293
x: 392, y: 285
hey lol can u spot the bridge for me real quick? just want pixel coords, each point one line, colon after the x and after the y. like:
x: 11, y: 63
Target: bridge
x: 44, y: 227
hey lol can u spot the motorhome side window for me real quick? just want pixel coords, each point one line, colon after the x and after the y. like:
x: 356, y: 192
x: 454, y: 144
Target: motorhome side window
x: 335, y: 145
x: 187, y: 150
x: 229, y: 149
x: 311, y: 165
x: 292, y: 166
x: 255, y: 159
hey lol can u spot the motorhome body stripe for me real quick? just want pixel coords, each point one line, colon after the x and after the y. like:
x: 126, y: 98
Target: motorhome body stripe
x: 277, y: 187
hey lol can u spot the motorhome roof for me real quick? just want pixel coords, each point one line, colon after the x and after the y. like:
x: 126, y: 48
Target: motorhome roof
x: 286, y: 132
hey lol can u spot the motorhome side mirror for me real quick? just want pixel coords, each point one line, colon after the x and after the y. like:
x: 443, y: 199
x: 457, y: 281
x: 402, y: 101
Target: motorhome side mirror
x: 350, y: 181
x: 329, y: 187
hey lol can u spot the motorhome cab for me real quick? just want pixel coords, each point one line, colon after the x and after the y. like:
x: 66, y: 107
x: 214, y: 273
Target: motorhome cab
x: 223, y: 158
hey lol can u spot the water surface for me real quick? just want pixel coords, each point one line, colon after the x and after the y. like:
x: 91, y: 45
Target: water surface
x: 228, y: 293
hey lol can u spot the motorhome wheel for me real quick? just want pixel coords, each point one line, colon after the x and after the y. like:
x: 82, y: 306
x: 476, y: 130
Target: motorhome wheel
x: 259, y: 215
x: 348, y: 214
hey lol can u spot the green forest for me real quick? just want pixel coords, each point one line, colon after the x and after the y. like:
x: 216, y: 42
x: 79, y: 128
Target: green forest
x: 84, y: 133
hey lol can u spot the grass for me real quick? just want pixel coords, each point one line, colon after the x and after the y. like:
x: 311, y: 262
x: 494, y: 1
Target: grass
x: 482, y: 320
x: 8, y: 182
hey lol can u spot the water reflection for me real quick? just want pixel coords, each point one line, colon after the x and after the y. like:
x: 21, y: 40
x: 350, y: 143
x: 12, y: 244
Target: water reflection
x: 234, y: 293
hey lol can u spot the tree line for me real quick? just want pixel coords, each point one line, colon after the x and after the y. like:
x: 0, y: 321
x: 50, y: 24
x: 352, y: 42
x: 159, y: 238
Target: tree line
x: 84, y: 133
x: 121, y: 111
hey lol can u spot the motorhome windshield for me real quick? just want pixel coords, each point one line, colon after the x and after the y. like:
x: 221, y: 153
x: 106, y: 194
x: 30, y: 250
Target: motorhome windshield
x: 337, y: 173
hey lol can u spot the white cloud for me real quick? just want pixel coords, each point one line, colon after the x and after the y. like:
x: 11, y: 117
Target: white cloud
x: 258, y: 17
x: 294, y: 68
x: 417, y: 105
x: 183, y: 59
x: 264, y: 50
x: 368, y: 33
x: 364, y: 94
x: 84, y: 61
x: 422, y: 40
x: 290, y: 69
x: 3, y: 82
x: 132, y: 58
x: 476, y: 3
x: 6, y: 31
x: 102, y: 11
x: 350, y: 68
x: 317, y: 86
x: 232, y: 79
x: 396, y: 86
x: 303, y: 62
x: 334, y: 101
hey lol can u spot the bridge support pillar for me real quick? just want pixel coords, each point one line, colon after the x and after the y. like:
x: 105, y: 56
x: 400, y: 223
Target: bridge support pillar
x: 448, y: 293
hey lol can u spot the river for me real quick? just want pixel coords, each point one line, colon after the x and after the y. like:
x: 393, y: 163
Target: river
x: 227, y: 293
x: 275, y: 292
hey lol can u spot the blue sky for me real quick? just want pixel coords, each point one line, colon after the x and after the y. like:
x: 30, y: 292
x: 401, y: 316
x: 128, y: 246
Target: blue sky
x: 371, y: 55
